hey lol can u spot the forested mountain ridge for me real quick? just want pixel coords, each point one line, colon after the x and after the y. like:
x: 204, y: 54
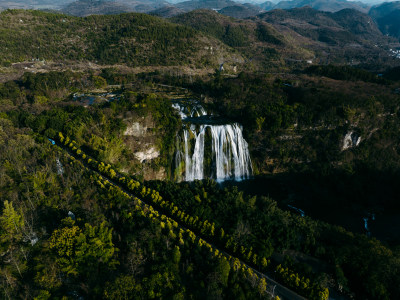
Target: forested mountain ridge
x: 273, y: 40
x: 387, y: 16
x: 106, y: 7
x: 146, y: 5
x: 87, y: 7
x: 240, y: 11
x: 259, y: 42
x: 299, y: 35
x: 166, y: 11
x: 131, y: 39
x: 345, y: 37
x: 33, y: 4
x: 323, y: 5
x: 347, y: 20
x: 380, y: 10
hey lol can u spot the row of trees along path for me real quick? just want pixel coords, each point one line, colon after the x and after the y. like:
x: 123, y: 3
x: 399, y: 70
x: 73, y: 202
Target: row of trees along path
x: 203, y: 234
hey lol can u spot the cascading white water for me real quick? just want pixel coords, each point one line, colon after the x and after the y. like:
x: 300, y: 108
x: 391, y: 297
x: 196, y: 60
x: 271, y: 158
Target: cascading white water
x: 230, y: 153
x: 194, y: 111
x: 194, y: 164
x: 198, y: 111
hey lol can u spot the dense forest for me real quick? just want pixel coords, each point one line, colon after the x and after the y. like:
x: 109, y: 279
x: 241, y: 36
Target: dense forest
x: 132, y: 39
x: 59, y: 227
x: 66, y: 212
x: 89, y: 204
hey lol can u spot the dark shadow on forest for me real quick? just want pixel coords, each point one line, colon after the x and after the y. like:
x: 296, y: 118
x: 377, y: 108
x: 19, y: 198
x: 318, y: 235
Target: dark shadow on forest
x: 338, y: 198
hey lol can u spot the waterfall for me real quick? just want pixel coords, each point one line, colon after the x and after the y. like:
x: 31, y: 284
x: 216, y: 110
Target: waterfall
x: 230, y: 154
x: 232, y: 158
x: 194, y: 164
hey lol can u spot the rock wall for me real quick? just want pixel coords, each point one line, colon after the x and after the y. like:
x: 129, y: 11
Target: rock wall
x: 142, y: 137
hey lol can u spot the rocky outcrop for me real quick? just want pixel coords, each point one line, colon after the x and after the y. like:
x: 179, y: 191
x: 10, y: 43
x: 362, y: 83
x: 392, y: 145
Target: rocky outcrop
x: 351, y: 140
x: 142, y: 138
x: 136, y: 129
x: 148, y: 154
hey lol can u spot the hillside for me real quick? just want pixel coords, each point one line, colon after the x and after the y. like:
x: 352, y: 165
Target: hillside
x: 270, y: 41
x: 149, y: 5
x: 381, y: 10
x: 259, y: 42
x: 307, y: 21
x: 98, y: 6
x: 131, y: 39
x: 299, y: 35
x: 167, y: 11
x: 83, y: 8
x: 204, y: 4
x: 387, y: 16
x: 241, y: 11
x: 33, y: 4
x: 143, y: 6
x: 347, y: 36
x: 322, y: 5
x: 268, y: 5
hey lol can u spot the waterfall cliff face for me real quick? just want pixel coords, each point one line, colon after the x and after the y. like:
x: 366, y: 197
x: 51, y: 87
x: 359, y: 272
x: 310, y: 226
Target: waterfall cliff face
x: 206, y: 150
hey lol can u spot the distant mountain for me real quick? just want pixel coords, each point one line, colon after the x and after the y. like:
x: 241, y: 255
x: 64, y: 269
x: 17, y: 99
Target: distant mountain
x: 236, y: 9
x: 387, y: 16
x: 267, y: 5
x: 111, y: 7
x: 225, y: 7
x: 345, y: 26
x: 241, y: 11
x: 357, y: 23
x: 384, y: 9
x: 82, y: 8
x: 269, y: 40
x: 298, y: 36
x: 167, y: 11
x: 34, y: 4
x: 323, y: 5
x: 153, y: 4
x: 348, y: 36
x: 205, y: 4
